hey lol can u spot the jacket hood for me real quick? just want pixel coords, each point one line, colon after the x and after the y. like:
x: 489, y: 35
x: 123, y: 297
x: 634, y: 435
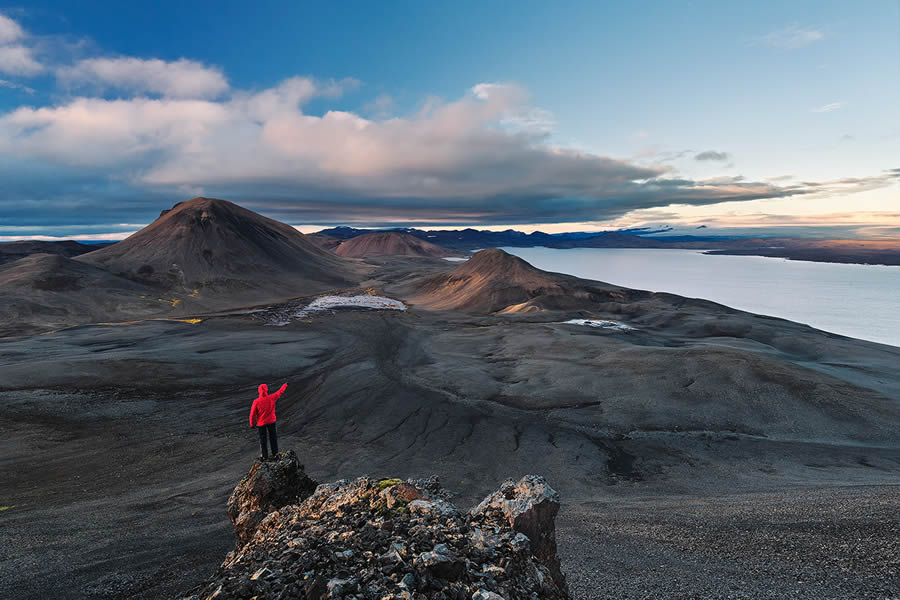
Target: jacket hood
x: 263, y: 389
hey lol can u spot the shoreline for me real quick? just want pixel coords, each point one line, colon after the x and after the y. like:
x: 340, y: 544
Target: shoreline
x: 820, y: 295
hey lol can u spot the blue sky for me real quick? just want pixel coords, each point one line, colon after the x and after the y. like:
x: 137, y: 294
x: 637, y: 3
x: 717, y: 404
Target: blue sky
x: 769, y: 117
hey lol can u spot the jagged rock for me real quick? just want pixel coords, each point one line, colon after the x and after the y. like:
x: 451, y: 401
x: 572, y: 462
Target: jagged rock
x: 436, y: 508
x: 363, y: 540
x: 266, y: 488
x: 529, y: 507
x: 484, y: 595
x: 399, y: 493
x: 441, y: 563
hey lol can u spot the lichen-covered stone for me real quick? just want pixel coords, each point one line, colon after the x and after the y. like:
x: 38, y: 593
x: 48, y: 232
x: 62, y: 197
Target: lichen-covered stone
x: 344, y: 541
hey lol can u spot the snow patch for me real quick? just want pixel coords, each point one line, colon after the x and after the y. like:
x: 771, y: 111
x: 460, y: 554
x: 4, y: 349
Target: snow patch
x: 601, y: 324
x: 284, y: 314
x: 365, y: 301
x: 456, y: 258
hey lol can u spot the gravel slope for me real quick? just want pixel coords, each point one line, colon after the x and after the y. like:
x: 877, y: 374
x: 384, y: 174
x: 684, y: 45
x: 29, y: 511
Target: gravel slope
x: 818, y: 543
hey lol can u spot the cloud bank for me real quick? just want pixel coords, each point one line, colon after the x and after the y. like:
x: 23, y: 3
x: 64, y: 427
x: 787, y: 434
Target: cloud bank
x: 179, y: 79
x: 475, y: 159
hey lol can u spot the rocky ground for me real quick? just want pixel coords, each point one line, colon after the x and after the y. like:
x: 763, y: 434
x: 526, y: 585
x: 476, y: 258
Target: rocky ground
x: 816, y: 543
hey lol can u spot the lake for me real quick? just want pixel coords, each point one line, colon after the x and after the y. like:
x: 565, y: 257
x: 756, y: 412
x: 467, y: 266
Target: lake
x: 861, y: 301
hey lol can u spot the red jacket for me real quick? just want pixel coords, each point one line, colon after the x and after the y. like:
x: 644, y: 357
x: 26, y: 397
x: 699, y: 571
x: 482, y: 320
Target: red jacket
x: 263, y: 410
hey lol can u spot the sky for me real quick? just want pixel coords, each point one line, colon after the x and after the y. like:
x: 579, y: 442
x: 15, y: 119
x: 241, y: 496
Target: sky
x: 768, y: 118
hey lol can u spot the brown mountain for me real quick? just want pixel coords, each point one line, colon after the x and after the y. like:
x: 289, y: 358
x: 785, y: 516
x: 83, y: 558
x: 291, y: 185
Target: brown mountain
x: 390, y: 243
x: 323, y: 240
x: 494, y: 281
x: 224, y: 254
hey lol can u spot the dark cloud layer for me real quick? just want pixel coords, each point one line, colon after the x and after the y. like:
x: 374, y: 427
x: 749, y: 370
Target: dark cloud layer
x: 712, y: 155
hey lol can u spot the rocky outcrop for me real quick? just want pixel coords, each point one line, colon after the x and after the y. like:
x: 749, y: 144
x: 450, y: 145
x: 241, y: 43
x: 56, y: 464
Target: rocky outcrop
x: 529, y: 507
x: 267, y: 487
x: 370, y: 539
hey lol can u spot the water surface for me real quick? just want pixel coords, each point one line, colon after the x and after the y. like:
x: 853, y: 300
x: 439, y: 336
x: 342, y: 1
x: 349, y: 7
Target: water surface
x: 861, y: 301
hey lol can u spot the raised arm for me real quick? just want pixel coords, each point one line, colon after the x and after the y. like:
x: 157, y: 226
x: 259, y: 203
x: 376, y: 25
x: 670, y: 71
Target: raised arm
x: 280, y: 391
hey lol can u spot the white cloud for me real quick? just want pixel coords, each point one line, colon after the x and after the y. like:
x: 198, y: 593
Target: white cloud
x: 518, y: 114
x: 102, y: 133
x: 792, y: 37
x: 828, y: 107
x: 12, y: 85
x: 380, y: 107
x: 19, y: 60
x: 16, y: 58
x: 99, y: 133
x: 10, y: 31
x: 178, y: 79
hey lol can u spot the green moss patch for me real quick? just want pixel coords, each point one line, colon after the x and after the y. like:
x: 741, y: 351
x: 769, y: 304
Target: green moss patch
x: 384, y: 484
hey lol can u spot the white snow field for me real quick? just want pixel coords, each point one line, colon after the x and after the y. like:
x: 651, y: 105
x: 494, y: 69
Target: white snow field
x: 600, y: 324
x: 323, y: 303
x: 283, y: 314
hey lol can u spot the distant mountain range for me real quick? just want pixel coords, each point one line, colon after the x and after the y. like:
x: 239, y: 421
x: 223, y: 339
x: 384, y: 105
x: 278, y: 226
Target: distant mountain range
x: 471, y: 239
x: 882, y: 252
x: 841, y: 251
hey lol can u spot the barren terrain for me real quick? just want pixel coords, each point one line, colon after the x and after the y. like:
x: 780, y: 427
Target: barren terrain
x: 121, y: 444
x: 700, y: 451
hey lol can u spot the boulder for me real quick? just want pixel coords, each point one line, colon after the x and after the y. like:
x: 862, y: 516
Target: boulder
x: 398, y: 494
x: 441, y: 562
x: 529, y: 506
x: 267, y: 487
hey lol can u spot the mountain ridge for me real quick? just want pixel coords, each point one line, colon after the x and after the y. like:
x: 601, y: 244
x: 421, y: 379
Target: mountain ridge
x: 390, y: 243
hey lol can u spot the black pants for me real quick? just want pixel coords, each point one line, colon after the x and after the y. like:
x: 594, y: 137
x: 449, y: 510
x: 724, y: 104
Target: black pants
x: 273, y: 439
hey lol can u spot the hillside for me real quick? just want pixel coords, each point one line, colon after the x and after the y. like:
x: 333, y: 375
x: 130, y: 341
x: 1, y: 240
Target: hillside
x: 228, y: 254
x: 11, y: 251
x: 390, y: 243
x: 493, y: 280
x: 324, y: 241
x: 48, y: 291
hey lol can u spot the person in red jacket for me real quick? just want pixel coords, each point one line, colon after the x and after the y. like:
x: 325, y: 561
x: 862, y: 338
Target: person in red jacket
x: 262, y: 416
